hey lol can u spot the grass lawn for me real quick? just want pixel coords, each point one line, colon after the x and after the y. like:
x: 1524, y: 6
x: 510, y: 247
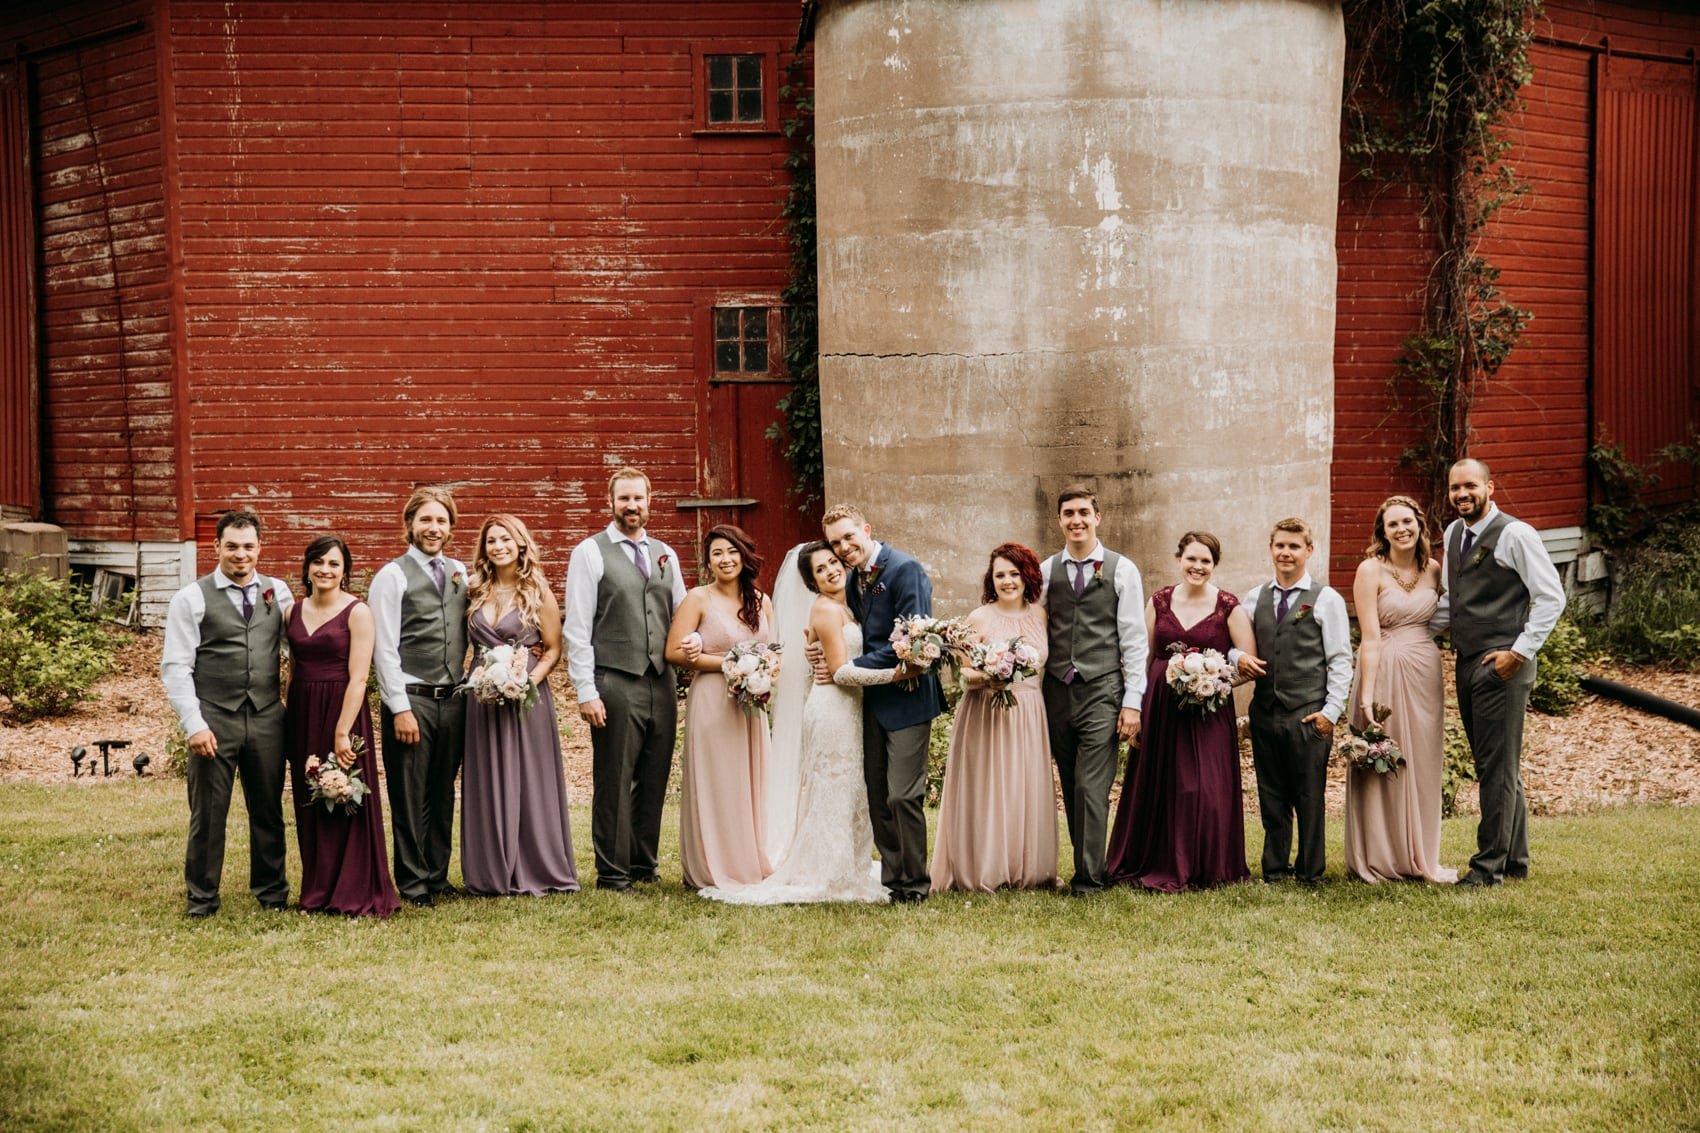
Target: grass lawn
x: 1569, y: 1001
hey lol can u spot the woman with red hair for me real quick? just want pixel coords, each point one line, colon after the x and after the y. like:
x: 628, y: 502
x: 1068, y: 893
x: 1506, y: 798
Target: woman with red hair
x: 998, y: 811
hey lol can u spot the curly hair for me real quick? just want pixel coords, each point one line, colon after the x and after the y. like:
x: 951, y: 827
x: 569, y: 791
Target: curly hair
x: 528, y: 565
x: 749, y: 604
x: 1024, y: 561
x: 1380, y: 548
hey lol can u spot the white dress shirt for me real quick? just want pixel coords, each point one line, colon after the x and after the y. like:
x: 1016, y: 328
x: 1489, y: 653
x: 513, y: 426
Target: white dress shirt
x: 1519, y: 549
x: 384, y: 596
x: 183, y: 638
x: 1130, y: 614
x: 584, y: 577
x: 1329, y: 609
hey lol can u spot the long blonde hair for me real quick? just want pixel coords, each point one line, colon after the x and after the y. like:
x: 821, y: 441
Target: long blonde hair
x: 528, y: 594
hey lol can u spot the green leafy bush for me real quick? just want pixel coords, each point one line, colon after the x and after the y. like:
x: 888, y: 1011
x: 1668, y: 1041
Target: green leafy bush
x: 1460, y: 767
x: 1558, y: 678
x: 53, y: 646
x: 938, y: 743
x: 1654, y: 614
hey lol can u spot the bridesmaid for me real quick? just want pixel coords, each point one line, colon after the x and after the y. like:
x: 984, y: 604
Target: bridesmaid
x: 1179, y: 824
x: 1393, y: 821
x: 998, y: 811
x: 344, y: 867
x: 726, y: 749
x: 515, y: 837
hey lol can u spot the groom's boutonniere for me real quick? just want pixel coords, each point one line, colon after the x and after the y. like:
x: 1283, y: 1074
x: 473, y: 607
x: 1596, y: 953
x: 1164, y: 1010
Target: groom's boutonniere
x: 872, y: 580
x: 1304, y: 612
x: 267, y: 599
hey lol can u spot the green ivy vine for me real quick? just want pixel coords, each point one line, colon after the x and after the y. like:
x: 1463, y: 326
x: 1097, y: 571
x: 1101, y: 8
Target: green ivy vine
x: 799, y: 436
x: 1429, y: 85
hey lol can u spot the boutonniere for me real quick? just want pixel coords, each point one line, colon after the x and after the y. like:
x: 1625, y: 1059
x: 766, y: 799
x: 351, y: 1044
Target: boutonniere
x: 661, y: 563
x: 267, y: 599
x: 1304, y: 612
x: 873, y: 580
x: 459, y: 580
x: 1097, y: 570
x: 1480, y: 556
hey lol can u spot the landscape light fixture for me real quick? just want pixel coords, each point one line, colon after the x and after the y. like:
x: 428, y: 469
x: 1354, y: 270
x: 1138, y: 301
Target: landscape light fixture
x: 77, y: 754
x: 107, y: 747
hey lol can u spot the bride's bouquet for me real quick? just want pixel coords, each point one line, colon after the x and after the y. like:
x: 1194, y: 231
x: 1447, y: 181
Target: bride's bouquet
x: 1007, y: 661
x: 923, y: 642
x: 328, y: 783
x: 751, y: 669
x: 1370, y: 748
x: 1202, y: 679
x: 503, y: 676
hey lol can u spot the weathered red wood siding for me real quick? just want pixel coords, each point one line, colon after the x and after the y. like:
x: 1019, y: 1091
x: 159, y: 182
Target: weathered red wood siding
x: 1532, y: 422
x: 458, y: 243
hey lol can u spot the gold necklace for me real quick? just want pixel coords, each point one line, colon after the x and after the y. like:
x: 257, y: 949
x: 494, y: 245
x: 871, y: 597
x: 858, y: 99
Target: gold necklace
x: 1407, y: 587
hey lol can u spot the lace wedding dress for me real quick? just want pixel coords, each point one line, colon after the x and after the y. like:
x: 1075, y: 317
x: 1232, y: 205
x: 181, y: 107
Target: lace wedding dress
x: 830, y: 857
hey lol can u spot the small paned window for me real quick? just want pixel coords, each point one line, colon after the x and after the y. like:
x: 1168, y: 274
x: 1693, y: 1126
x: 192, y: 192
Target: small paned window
x: 740, y: 340
x: 734, y: 90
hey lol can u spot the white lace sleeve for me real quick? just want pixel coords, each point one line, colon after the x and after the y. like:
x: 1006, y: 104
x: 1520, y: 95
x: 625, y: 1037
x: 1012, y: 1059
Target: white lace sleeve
x: 849, y: 674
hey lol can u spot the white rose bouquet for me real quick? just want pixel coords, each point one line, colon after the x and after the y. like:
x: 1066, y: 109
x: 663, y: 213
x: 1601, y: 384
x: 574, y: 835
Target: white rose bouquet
x: 328, y: 783
x: 503, y: 676
x: 1007, y: 661
x: 1202, y: 679
x: 751, y: 669
x: 923, y: 642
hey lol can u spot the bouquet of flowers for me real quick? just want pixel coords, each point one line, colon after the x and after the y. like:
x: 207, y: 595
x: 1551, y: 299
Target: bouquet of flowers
x: 1370, y: 748
x: 751, y: 668
x: 1008, y: 661
x: 923, y: 641
x: 503, y: 676
x: 1202, y: 679
x: 328, y: 783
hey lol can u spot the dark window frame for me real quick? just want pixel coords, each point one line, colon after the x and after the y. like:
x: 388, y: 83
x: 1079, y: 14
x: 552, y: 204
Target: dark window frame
x: 768, y: 53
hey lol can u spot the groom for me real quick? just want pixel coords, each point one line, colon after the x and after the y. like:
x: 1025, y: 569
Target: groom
x: 886, y: 584
x: 1502, y: 599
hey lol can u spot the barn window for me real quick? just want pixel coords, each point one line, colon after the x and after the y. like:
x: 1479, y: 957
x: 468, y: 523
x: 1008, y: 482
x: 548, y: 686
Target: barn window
x: 736, y: 88
x: 741, y: 343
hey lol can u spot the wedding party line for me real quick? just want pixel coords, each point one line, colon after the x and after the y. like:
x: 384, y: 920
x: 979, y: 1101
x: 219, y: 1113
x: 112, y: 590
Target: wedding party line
x: 809, y: 711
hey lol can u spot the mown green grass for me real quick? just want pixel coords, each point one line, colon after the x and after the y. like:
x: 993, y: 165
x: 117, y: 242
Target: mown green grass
x: 1568, y: 1001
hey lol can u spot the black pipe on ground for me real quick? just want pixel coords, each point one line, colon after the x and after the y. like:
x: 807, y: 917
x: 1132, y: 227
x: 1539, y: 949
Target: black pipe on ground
x: 1645, y: 701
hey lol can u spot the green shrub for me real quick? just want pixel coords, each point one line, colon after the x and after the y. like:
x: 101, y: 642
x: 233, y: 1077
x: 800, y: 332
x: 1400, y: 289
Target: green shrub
x: 938, y: 743
x: 176, y: 754
x: 1655, y: 602
x: 53, y: 646
x: 1558, y: 679
x: 1460, y: 767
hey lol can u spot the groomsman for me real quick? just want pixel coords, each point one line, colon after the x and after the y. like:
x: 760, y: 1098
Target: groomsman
x: 887, y: 584
x: 1095, y: 676
x: 1503, y: 597
x: 419, y: 615
x: 622, y: 589
x: 223, y: 639
x: 1304, y: 675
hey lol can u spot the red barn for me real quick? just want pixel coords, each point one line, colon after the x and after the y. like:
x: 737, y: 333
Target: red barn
x: 301, y: 256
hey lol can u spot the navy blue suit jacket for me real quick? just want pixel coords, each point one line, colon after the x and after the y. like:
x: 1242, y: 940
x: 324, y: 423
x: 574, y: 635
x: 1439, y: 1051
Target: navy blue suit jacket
x: 900, y: 588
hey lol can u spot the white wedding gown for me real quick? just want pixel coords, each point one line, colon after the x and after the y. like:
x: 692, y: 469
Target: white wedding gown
x: 831, y: 855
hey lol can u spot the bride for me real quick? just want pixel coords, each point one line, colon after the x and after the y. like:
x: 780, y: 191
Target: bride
x: 817, y: 823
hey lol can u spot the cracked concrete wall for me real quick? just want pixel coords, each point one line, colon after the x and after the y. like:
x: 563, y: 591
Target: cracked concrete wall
x: 1078, y: 240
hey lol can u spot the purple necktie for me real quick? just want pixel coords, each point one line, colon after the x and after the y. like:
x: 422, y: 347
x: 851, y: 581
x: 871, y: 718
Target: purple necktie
x: 1281, y: 607
x: 437, y: 573
x: 1080, y: 577
x: 1469, y: 541
x: 247, y: 604
x: 639, y: 559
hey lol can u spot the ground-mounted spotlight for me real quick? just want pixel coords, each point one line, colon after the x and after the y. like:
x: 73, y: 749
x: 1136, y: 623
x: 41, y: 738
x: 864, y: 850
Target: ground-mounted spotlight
x: 78, y: 754
x: 107, y: 747
x: 140, y: 763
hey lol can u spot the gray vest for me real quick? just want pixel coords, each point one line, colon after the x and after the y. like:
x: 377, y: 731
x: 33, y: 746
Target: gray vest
x: 1293, y: 653
x: 1083, y: 633
x: 237, y: 661
x: 1489, y: 602
x: 433, y: 626
x: 629, y: 634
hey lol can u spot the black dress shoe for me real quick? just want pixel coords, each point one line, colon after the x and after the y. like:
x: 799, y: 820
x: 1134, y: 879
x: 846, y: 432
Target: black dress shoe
x: 1478, y: 881
x: 197, y: 912
x: 614, y: 886
x: 648, y: 879
x: 423, y: 900
x: 274, y: 906
x: 908, y: 896
x: 1513, y: 874
x: 449, y: 893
